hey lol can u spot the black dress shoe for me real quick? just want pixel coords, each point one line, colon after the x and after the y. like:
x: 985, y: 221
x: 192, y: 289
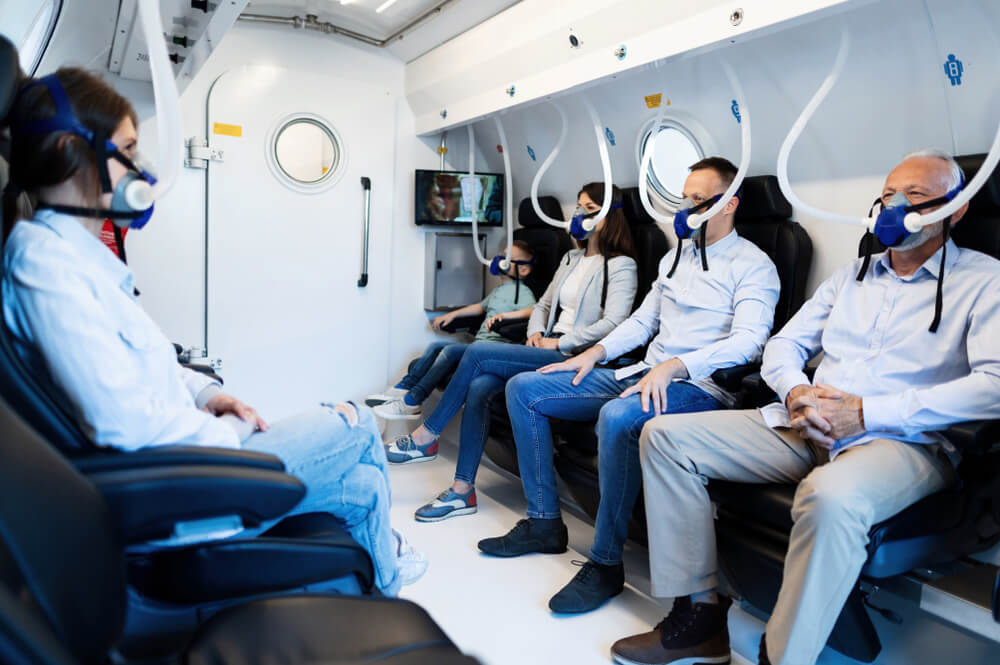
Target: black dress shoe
x: 592, y: 586
x: 762, y: 654
x: 528, y: 537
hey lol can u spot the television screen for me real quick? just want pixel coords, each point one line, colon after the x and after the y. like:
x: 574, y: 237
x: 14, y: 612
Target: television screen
x: 452, y: 198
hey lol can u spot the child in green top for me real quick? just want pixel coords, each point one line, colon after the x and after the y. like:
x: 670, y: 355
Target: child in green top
x: 507, y: 302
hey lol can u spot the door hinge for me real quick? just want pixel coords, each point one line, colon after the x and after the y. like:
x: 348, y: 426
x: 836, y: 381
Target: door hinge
x: 199, y: 153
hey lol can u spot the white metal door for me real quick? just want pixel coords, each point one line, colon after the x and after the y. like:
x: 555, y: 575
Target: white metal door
x: 285, y: 312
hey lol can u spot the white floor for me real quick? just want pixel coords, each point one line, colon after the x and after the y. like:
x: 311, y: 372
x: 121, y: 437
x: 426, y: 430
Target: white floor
x: 497, y: 609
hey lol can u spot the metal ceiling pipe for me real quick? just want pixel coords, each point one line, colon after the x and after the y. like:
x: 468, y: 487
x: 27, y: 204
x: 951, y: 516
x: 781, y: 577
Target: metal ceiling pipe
x: 312, y: 22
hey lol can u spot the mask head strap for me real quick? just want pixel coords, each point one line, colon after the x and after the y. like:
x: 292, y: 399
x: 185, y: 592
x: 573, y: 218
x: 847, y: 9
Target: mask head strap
x: 869, y: 245
x: 683, y: 231
x: 939, y: 297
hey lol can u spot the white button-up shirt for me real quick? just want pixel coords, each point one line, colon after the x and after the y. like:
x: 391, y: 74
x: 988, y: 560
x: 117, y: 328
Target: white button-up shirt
x: 875, y: 342
x: 708, y: 319
x: 70, y: 305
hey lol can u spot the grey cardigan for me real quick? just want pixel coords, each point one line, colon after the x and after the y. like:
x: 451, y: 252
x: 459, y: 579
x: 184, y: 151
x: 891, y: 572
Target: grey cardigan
x: 592, y: 323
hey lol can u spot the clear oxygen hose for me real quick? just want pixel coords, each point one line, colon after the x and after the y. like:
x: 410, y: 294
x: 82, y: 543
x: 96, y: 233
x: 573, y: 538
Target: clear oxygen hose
x: 168, y: 115
x: 508, y: 193
x: 545, y: 167
x: 472, y: 183
x: 602, y: 147
x: 647, y: 155
x: 695, y: 221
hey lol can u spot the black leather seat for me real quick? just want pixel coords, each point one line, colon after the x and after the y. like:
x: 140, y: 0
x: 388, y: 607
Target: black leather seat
x: 764, y: 218
x: 754, y: 520
x: 63, y: 586
x: 650, y: 244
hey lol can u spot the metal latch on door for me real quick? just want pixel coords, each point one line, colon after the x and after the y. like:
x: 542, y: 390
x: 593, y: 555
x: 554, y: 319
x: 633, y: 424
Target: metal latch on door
x: 199, y: 153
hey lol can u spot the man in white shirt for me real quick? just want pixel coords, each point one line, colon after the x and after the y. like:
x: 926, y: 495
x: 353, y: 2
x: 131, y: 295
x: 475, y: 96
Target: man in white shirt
x: 706, y: 311
x: 861, y: 437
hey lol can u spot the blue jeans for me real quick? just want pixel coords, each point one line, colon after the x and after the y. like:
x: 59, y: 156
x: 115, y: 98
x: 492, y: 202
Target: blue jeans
x: 484, y: 370
x: 439, y: 358
x: 345, y: 473
x: 533, y: 398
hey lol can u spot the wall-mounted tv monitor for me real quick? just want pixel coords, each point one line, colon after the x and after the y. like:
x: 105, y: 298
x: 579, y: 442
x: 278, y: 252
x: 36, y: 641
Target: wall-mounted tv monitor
x: 451, y: 198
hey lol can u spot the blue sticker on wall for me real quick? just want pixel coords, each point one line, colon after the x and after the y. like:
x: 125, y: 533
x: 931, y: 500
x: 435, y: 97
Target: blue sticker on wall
x: 610, y: 134
x: 953, y: 69
x: 735, y: 108
x: 531, y: 153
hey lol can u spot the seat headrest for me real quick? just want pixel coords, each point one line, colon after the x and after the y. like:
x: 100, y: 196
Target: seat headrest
x: 635, y: 214
x: 987, y: 199
x: 10, y: 75
x: 762, y: 199
x: 526, y: 212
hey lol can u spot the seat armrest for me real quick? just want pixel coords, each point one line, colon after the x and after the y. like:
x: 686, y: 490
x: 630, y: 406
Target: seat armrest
x: 756, y: 392
x: 147, y: 503
x: 469, y: 324
x: 731, y: 378
x: 515, y: 331
x: 153, y: 456
x: 204, y: 369
x: 974, y: 434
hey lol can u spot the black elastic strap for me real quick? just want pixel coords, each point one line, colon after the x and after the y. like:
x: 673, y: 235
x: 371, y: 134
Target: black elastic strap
x: 604, y: 290
x: 869, y: 244
x: 939, y: 298
x: 677, y: 258
x: 94, y: 213
x: 101, y: 149
x: 704, y: 246
x: 120, y: 243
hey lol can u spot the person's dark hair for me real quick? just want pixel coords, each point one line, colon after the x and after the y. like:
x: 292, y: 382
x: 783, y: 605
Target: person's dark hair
x: 615, y: 239
x: 724, y: 168
x: 45, y: 160
x: 524, y: 247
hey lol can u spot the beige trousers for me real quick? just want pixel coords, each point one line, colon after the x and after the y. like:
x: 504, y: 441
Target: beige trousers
x: 835, y: 505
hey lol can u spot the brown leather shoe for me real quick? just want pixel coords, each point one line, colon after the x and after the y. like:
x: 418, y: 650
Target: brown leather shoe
x: 695, y: 634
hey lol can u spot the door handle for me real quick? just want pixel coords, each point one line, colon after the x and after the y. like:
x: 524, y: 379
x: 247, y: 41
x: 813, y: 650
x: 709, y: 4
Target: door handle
x: 366, y: 184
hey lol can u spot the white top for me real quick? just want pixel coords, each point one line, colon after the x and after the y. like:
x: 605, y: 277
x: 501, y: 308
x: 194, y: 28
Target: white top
x: 569, y: 294
x: 70, y: 305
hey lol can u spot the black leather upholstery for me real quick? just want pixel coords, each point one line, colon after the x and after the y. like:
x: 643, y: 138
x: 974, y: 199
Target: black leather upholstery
x: 62, y: 584
x: 10, y: 75
x: 297, y: 552
x: 650, y: 241
x: 548, y: 242
x: 764, y: 218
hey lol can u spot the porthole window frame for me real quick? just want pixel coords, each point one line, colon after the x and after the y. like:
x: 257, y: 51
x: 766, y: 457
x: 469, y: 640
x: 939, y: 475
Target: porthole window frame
x: 39, y: 32
x: 331, y: 177
x: 692, y: 130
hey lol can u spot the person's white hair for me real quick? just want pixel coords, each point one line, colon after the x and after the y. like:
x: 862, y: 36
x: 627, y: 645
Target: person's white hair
x: 954, y: 170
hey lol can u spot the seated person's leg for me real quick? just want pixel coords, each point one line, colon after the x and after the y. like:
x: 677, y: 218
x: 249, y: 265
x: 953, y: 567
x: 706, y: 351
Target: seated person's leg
x: 503, y: 360
x: 340, y: 458
x: 416, y: 371
x: 532, y: 398
x: 677, y: 453
x: 835, y: 507
x: 446, y: 361
x: 460, y: 498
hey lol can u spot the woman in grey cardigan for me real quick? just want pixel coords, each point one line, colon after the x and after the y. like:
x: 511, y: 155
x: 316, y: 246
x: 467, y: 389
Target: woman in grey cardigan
x: 591, y: 293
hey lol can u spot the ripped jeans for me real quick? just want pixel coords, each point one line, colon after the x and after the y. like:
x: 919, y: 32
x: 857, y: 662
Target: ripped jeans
x: 345, y: 474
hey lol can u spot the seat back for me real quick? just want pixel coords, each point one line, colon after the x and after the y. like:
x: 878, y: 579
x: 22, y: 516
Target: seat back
x: 548, y: 242
x: 60, y: 560
x: 764, y: 218
x: 650, y: 241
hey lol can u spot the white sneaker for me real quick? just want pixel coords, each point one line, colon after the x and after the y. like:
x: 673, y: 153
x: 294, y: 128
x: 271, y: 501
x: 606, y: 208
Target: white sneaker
x: 397, y: 409
x: 390, y: 394
x: 411, y: 563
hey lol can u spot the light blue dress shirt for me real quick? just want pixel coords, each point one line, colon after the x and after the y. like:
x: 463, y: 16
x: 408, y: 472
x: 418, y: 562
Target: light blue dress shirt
x: 70, y: 304
x: 708, y: 319
x: 875, y: 342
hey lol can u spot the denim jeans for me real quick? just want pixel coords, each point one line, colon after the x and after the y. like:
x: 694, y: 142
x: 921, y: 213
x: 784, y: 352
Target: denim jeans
x: 533, y: 398
x: 345, y: 473
x: 439, y: 359
x: 484, y: 370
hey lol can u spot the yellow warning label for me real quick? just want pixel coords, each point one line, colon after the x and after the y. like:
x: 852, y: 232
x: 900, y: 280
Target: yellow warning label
x: 227, y: 130
x: 653, y: 101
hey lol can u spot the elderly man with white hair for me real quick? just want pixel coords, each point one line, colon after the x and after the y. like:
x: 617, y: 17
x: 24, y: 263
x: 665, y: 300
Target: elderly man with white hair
x: 906, y: 353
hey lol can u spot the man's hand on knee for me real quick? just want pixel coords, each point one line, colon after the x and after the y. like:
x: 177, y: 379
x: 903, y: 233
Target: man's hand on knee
x: 222, y: 404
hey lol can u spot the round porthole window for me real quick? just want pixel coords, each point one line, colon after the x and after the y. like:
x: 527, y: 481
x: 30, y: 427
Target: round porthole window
x: 306, y: 153
x: 676, y: 150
